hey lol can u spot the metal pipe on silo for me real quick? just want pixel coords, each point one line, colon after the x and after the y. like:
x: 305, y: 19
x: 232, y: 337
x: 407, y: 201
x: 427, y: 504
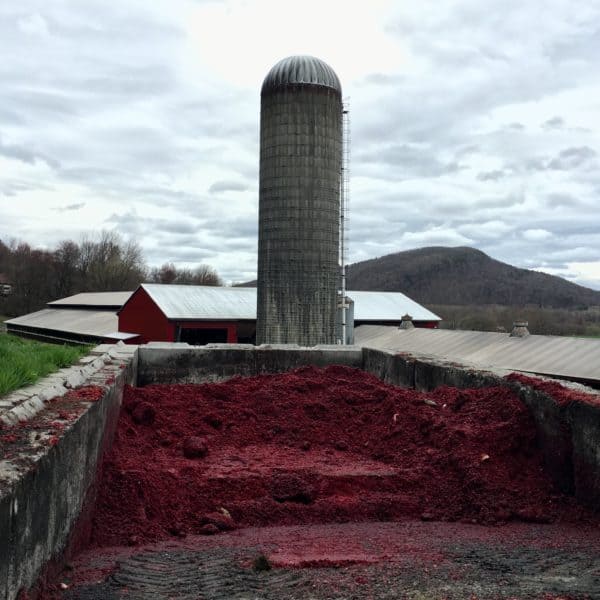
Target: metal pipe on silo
x: 299, y: 203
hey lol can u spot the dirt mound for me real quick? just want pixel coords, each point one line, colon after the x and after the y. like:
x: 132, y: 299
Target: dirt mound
x: 317, y: 446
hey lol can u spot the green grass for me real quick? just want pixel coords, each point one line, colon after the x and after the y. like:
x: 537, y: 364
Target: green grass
x: 23, y: 362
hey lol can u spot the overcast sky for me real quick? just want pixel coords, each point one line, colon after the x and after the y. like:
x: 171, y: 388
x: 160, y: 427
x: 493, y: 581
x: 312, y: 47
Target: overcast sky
x: 473, y: 123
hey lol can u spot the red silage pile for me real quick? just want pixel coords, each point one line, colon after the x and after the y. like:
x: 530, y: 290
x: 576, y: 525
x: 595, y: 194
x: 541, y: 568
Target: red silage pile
x: 316, y: 446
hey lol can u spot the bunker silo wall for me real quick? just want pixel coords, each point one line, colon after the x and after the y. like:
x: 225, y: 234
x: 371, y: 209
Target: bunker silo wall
x: 47, y: 478
x: 44, y: 485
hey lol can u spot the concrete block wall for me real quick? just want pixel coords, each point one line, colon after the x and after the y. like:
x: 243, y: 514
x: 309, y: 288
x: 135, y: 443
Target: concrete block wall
x: 424, y: 373
x: 554, y: 433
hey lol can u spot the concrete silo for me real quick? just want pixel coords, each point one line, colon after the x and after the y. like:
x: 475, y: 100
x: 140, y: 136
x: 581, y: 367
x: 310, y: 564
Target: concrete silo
x: 299, y: 203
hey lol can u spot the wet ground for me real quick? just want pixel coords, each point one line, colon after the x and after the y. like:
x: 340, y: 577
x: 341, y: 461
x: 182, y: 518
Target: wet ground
x: 413, y: 560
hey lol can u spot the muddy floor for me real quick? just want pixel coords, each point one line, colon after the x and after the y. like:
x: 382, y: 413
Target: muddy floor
x: 413, y: 560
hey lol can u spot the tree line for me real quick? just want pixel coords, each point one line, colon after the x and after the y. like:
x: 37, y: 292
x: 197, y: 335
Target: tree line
x: 541, y: 321
x: 102, y: 263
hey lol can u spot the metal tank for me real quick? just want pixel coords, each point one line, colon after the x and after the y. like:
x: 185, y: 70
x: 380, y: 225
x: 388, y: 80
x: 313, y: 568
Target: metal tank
x: 299, y: 203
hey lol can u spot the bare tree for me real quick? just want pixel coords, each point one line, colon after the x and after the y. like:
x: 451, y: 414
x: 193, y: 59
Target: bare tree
x: 167, y: 273
x: 201, y: 275
x: 206, y: 275
x: 110, y: 264
x: 32, y: 274
x: 99, y: 263
x: 66, y: 258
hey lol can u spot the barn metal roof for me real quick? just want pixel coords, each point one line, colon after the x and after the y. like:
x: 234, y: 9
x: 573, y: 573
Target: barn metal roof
x: 80, y: 321
x: 301, y: 69
x: 104, y: 299
x: 388, y: 306
x: 187, y: 302
x: 90, y: 314
x: 570, y: 357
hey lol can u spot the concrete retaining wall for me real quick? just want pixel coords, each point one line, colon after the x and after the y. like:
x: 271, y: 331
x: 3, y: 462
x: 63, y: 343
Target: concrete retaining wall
x: 554, y: 434
x: 568, y: 435
x: 49, y: 475
x: 423, y: 374
x: 180, y: 363
x: 585, y: 437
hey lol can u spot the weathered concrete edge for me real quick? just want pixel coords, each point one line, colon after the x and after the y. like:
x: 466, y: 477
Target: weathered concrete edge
x: 42, y: 494
x: 26, y: 402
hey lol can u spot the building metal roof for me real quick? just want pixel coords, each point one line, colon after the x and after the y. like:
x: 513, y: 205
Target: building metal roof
x: 85, y: 322
x: 94, y: 314
x: 93, y: 299
x: 193, y: 302
x: 567, y: 357
x: 302, y: 69
x: 121, y: 335
x: 388, y: 306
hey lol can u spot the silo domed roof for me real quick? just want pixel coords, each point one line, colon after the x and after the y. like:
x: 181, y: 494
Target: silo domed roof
x: 295, y: 70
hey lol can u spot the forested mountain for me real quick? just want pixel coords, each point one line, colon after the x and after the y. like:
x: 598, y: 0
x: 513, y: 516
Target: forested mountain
x: 465, y: 276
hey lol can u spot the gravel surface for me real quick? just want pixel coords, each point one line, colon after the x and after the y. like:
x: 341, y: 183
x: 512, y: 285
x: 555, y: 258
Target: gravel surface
x: 412, y: 560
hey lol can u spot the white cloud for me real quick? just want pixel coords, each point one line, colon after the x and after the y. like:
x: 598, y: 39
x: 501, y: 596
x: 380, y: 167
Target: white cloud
x: 239, y: 41
x: 33, y: 24
x: 435, y: 236
x: 488, y: 230
x: 536, y: 235
x: 583, y: 273
x: 469, y: 126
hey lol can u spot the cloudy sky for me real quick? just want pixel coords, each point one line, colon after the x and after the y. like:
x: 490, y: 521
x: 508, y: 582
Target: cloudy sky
x: 473, y: 123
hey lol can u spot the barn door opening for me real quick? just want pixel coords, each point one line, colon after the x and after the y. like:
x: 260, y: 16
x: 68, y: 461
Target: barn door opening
x: 200, y: 337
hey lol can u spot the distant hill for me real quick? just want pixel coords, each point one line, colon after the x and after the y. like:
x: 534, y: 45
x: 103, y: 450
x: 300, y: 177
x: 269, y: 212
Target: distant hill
x: 463, y: 276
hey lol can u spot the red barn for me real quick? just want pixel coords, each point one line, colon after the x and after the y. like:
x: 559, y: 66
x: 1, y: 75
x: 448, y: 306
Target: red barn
x: 190, y: 313
x: 205, y: 314
x: 186, y: 313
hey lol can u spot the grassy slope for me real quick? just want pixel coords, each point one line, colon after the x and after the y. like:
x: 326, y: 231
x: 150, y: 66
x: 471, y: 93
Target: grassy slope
x: 23, y: 362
